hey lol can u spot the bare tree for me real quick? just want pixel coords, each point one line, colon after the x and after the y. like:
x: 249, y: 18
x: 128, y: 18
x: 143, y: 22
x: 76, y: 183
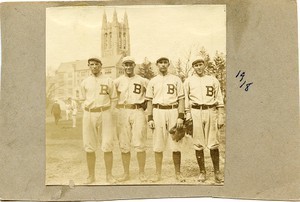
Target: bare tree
x: 145, y: 69
x: 51, y: 87
x: 220, y: 63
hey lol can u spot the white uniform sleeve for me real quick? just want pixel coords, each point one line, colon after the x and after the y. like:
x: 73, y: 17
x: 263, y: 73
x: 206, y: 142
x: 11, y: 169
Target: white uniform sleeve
x: 117, y: 82
x: 149, y: 91
x: 112, y: 90
x: 146, y: 81
x: 180, y: 90
x: 82, y: 89
x: 186, y: 97
x: 218, y: 94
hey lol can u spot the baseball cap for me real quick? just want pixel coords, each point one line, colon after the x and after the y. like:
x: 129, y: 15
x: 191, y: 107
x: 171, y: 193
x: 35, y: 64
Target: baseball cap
x: 128, y: 59
x: 95, y: 59
x: 197, y: 59
x: 162, y: 58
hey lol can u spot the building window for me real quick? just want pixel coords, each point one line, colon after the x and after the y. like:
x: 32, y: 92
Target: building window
x: 110, y: 37
x: 70, y: 91
x: 61, y: 75
x: 70, y: 82
x: 105, y: 40
x: 108, y: 71
x: 70, y: 75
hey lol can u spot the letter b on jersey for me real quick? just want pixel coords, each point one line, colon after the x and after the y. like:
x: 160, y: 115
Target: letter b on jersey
x: 137, y: 88
x: 171, y: 88
x: 209, y: 91
x: 103, y: 90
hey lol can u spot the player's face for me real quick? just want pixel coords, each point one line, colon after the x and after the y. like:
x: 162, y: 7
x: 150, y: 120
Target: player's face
x: 163, y: 65
x: 95, y: 67
x: 199, y: 68
x: 129, y: 68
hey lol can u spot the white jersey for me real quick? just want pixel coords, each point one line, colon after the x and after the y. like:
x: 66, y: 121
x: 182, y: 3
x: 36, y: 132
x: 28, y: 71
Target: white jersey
x: 131, y: 90
x: 165, y: 90
x: 202, y: 90
x: 98, y: 91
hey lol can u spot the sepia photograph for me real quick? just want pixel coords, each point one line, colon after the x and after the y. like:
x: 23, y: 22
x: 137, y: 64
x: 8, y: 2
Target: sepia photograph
x: 136, y: 95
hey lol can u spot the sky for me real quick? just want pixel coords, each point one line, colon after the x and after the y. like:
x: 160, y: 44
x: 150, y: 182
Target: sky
x: 74, y: 33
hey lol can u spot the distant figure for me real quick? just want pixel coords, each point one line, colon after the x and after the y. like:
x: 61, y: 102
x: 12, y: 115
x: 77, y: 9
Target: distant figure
x: 56, y: 111
x: 73, y: 109
x: 68, y: 110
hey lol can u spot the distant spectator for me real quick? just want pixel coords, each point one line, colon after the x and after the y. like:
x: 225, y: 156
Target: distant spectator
x: 68, y: 110
x: 73, y: 109
x: 56, y: 111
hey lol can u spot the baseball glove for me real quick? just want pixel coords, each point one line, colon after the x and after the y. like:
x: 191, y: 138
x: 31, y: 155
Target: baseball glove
x: 177, y: 133
x: 188, y: 125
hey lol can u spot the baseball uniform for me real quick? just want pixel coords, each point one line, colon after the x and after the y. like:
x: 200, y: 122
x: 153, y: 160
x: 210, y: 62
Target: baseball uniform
x: 131, y: 124
x: 97, y: 118
x: 202, y: 98
x: 204, y: 101
x: 164, y: 91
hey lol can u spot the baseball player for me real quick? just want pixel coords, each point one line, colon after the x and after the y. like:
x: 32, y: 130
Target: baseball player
x: 131, y: 122
x: 100, y: 97
x: 204, y: 104
x: 68, y: 110
x: 165, y: 97
x: 73, y: 108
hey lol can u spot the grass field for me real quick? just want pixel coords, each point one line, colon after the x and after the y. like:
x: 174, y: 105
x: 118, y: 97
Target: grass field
x: 66, y: 163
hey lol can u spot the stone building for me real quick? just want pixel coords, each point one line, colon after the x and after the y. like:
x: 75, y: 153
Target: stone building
x: 115, y: 44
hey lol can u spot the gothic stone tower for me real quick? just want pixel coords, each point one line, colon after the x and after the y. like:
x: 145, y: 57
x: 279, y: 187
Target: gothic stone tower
x: 115, y: 36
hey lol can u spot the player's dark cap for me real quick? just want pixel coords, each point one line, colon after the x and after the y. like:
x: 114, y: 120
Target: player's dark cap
x: 95, y: 60
x: 162, y: 58
x: 197, y: 59
x: 128, y: 59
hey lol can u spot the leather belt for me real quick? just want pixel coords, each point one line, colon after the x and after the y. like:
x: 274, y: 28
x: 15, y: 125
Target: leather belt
x: 129, y: 106
x: 203, y: 107
x: 96, y: 109
x: 158, y: 106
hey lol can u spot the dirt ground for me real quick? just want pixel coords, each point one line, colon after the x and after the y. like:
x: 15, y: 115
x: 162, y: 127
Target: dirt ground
x: 66, y: 160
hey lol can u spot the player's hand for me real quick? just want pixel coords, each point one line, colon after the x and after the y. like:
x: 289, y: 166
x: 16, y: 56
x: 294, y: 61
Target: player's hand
x: 220, y: 126
x: 151, y: 124
x: 221, y: 122
x: 188, y: 116
x: 179, y: 123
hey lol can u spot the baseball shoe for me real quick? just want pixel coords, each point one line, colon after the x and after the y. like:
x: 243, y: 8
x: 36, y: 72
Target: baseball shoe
x: 90, y: 180
x: 202, y: 176
x: 110, y: 179
x: 218, y: 177
x: 142, y: 177
x: 179, y: 177
x: 156, y: 178
x: 124, y: 177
